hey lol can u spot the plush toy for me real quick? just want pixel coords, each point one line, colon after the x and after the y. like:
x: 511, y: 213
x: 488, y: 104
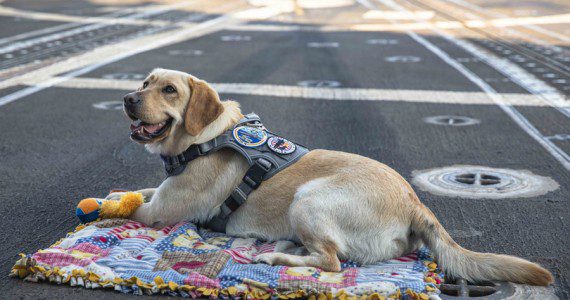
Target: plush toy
x: 91, y: 209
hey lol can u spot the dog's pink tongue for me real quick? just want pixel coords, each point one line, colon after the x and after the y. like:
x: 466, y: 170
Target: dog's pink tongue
x: 152, y: 128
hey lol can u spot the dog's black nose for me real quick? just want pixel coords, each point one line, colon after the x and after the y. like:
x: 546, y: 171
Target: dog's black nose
x: 132, y: 98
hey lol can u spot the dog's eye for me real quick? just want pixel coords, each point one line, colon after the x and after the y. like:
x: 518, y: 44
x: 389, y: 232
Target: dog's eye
x: 145, y: 84
x: 169, y: 89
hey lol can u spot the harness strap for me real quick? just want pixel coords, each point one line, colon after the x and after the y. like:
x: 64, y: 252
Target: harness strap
x: 251, y: 181
x: 250, y: 119
x: 174, y: 165
x: 263, y: 164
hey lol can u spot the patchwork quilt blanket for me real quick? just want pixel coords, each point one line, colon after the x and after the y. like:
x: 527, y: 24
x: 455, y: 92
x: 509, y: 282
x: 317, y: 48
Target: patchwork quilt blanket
x: 185, y: 260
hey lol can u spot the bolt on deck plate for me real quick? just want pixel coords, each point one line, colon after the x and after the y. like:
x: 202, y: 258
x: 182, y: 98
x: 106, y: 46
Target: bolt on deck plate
x: 482, y: 182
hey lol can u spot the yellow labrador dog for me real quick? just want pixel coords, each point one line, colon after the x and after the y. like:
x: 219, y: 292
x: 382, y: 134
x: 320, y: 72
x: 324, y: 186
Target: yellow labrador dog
x: 338, y: 205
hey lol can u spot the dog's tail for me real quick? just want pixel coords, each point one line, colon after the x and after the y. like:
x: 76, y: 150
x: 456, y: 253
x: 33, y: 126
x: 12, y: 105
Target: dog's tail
x: 474, y: 266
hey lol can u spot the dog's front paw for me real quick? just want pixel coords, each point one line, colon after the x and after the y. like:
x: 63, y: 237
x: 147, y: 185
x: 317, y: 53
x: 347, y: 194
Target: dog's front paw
x: 265, y: 258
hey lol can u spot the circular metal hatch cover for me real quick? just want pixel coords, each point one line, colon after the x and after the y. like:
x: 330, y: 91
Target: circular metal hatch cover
x: 482, y: 182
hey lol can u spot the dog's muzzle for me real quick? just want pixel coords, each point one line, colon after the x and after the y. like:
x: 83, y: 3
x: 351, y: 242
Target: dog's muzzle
x: 131, y: 101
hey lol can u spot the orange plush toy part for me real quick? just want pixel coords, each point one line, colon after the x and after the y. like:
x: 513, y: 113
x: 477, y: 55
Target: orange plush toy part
x: 91, y: 209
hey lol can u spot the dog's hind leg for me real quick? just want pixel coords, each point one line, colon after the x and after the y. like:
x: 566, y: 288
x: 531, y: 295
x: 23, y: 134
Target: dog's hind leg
x: 339, y: 217
x: 314, y: 228
x: 323, y: 255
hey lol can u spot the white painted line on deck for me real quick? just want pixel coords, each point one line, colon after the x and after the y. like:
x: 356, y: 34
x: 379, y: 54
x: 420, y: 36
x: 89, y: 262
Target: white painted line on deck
x: 514, y: 114
x: 559, y: 137
x: 519, y: 76
x: 398, y: 15
x: 105, y: 19
x: 511, y: 31
x: 320, y: 4
x: 262, y: 13
x: 80, y: 20
x: 506, y: 23
x: 60, y: 35
x: 503, y: 23
x: 538, y: 29
x: 520, y: 21
x: 112, y: 53
x: 38, y: 32
x: 291, y: 91
x: 366, y: 4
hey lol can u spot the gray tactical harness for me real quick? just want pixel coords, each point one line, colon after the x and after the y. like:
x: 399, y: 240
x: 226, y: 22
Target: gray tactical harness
x: 263, y: 161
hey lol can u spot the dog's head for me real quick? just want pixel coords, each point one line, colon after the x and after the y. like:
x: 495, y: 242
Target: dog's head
x: 170, y: 104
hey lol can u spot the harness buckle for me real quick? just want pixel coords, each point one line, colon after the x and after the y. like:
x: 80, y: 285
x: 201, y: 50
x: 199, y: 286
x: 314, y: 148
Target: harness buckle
x: 264, y: 164
x: 239, y: 198
x: 204, y: 148
x: 174, y: 162
x: 254, y: 175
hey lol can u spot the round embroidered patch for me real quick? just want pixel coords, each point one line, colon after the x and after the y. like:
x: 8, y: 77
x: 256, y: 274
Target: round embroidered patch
x: 281, y: 145
x: 249, y: 136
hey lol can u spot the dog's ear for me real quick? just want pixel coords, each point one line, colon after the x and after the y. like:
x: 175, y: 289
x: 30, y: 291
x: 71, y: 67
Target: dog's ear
x: 203, y: 108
